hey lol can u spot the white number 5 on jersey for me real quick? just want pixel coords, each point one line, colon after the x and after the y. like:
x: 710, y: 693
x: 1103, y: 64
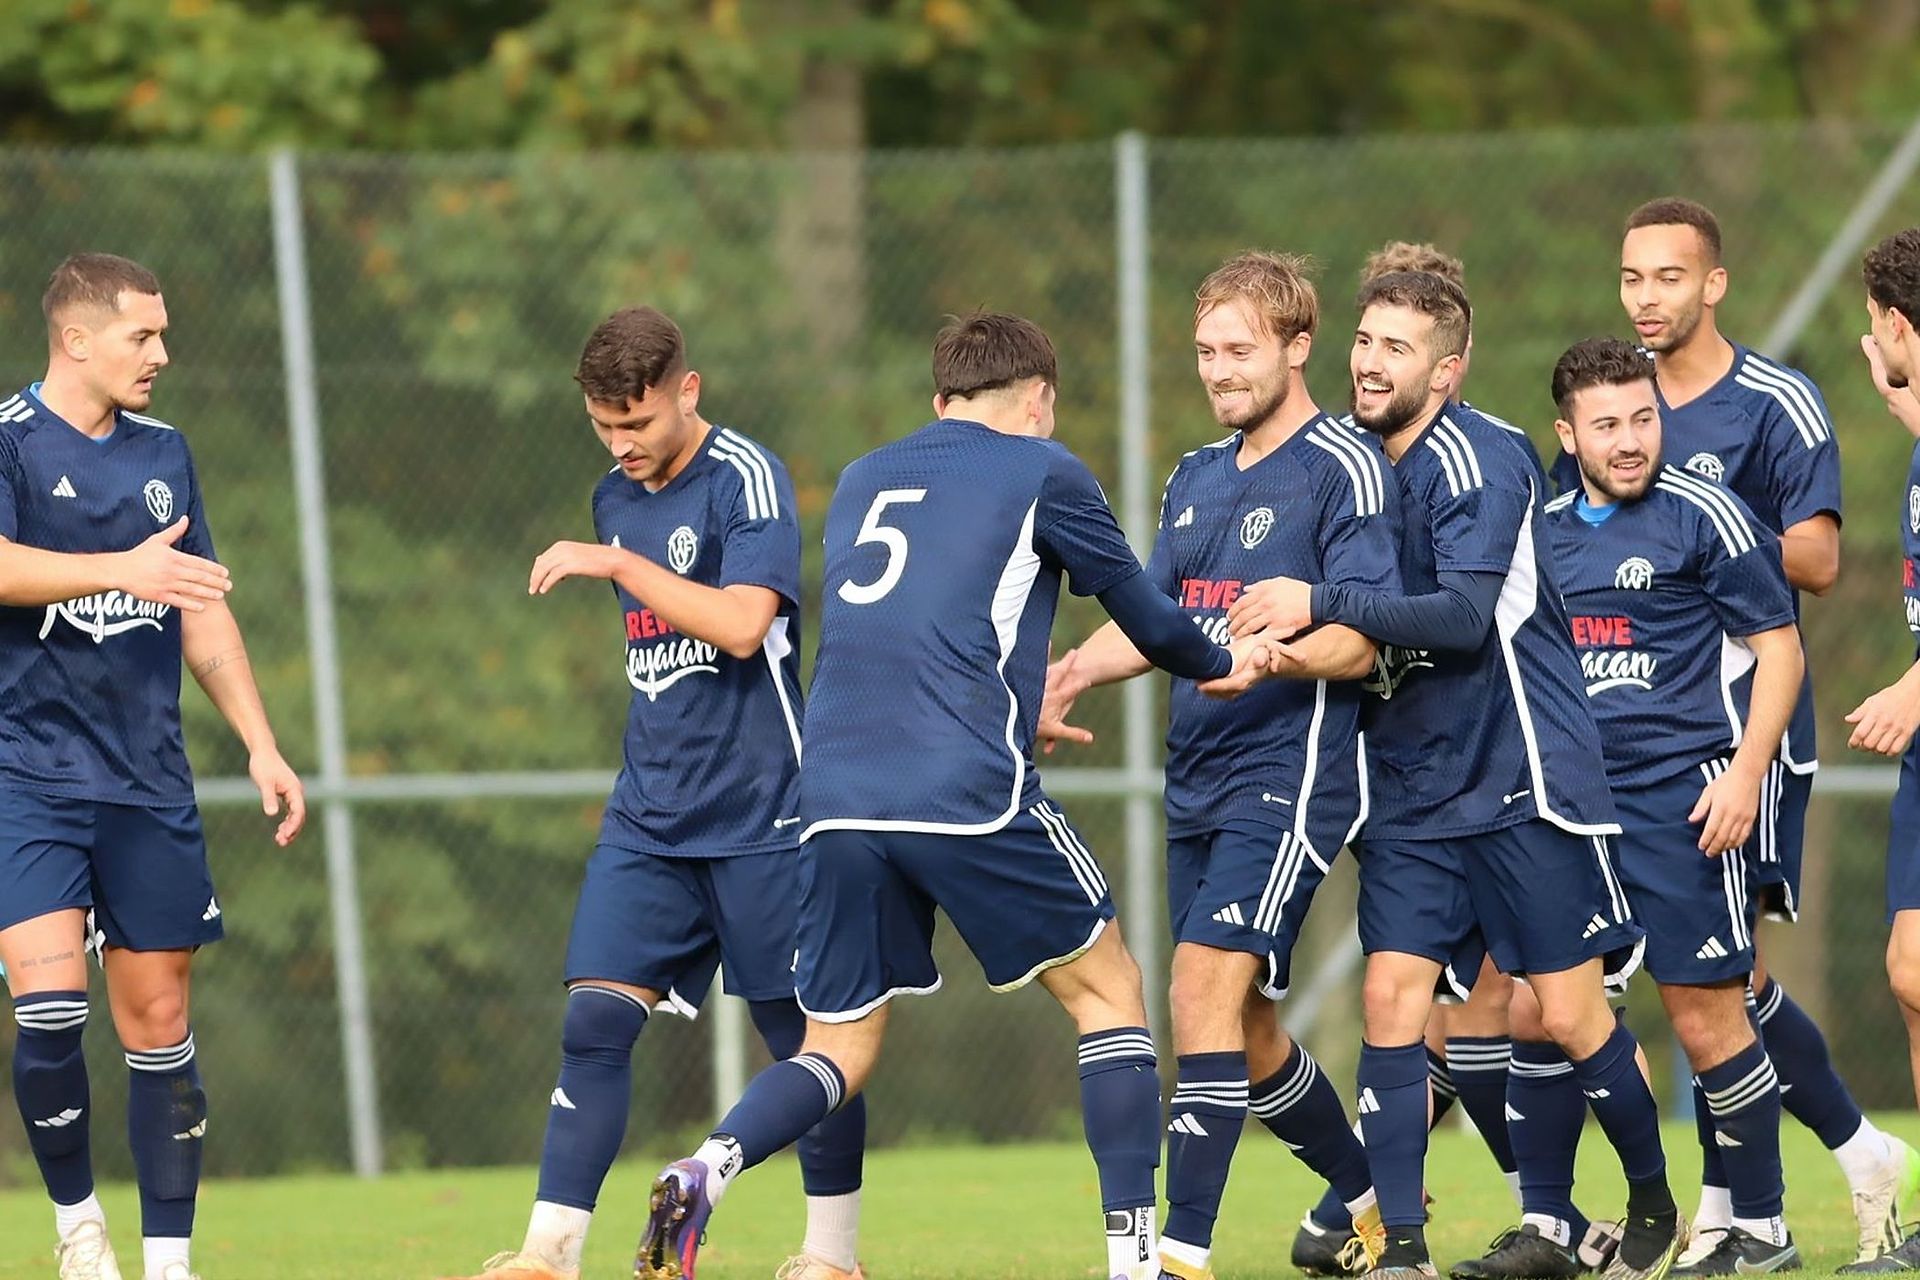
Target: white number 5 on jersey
x: 871, y: 530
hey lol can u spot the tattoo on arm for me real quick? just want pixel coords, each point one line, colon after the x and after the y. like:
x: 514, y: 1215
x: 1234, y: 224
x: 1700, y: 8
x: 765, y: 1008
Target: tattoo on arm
x: 218, y: 661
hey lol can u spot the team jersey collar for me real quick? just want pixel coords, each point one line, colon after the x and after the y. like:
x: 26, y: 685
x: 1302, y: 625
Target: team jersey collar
x: 1285, y: 446
x: 1717, y: 386
x: 1426, y: 431
x: 693, y: 465
x: 112, y: 437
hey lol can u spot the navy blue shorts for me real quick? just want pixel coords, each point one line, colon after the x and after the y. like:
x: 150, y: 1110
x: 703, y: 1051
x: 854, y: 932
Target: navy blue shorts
x: 667, y: 923
x: 142, y: 872
x: 1697, y: 911
x: 1024, y: 898
x: 1536, y: 898
x: 1903, y: 840
x: 1245, y: 886
x: 1779, y: 838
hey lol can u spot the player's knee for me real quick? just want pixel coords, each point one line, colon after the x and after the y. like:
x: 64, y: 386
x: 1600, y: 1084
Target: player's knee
x: 601, y: 1024
x: 152, y: 1020
x: 1523, y: 1013
x: 853, y: 1047
x: 1903, y: 974
x: 1576, y: 1025
x: 1396, y: 1010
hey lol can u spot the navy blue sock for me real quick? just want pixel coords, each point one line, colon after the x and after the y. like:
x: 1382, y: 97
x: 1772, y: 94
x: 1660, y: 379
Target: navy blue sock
x: 832, y: 1152
x: 1624, y: 1106
x: 50, y: 1084
x: 1208, y: 1110
x: 782, y: 1103
x: 1545, y: 1112
x: 1440, y: 1081
x: 166, y: 1127
x: 1744, y: 1095
x: 1811, y: 1090
x: 1393, y: 1116
x: 1120, y: 1111
x: 1478, y: 1065
x: 587, y: 1111
x: 1713, y: 1168
x: 1298, y: 1104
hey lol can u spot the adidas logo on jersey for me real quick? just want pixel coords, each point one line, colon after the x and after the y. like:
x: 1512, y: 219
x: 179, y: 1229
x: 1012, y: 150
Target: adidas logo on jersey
x: 1712, y: 950
x: 1230, y: 914
x: 1185, y: 520
x: 64, y: 489
x: 561, y: 1100
x: 1186, y: 1123
x: 1368, y: 1105
x: 1594, y: 926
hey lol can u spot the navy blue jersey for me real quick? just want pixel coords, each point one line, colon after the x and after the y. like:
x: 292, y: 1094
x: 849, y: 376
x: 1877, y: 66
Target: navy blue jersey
x: 1660, y: 593
x: 1461, y: 743
x: 1320, y: 508
x: 1763, y: 431
x: 1518, y: 437
x: 945, y: 552
x: 713, y: 742
x: 1910, y: 547
x: 90, y: 688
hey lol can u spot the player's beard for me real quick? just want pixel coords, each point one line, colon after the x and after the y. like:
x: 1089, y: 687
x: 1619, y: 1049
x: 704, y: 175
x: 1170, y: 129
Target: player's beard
x: 1602, y: 479
x: 1680, y: 329
x: 1401, y: 410
x: 1258, y: 412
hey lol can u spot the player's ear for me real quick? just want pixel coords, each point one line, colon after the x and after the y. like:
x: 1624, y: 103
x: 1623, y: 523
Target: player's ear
x: 76, y: 340
x: 1564, y: 429
x: 690, y: 391
x: 939, y: 405
x: 1716, y: 286
x: 1299, y: 349
x: 1443, y: 374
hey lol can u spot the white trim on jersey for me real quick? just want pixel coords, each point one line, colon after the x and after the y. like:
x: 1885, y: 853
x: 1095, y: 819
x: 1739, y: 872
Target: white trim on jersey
x: 1457, y: 457
x: 1360, y: 464
x: 775, y: 646
x: 1290, y: 856
x: 1010, y: 596
x: 1735, y: 533
x: 1736, y: 659
x: 1564, y: 501
x: 1496, y: 420
x: 1759, y: 374
x: 1360, y: 781
x: 1519, y: 598
x: 1621, y: 912
x: 16, y: 409
x: 144, y: 420
x: 756, y: 473
x: 1309, y: 774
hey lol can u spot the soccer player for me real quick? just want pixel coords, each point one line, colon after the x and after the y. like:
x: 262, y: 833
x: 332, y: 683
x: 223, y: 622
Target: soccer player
x: 697, y: 861
x: 1885, y: 722
x: 1490, y: 812
x: 944, y: 554
x: 108, y: 582
x: 1690, y: 649
x: 1761, y: 428
x: 1261, y: 792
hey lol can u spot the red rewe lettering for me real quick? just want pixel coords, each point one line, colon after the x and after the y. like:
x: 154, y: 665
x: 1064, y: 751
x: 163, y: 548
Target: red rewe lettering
x: 633, y: 625
x: 1205, y: 593
x: 1906, y: 574
x: 646, y: 625
x: 1603, y: 633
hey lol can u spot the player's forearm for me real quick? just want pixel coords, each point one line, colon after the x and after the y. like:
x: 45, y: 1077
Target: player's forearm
x: 1779, y: 668
x: 1811, y: 552
x: 1107, y: 657
x: 733, y: 622
x: 216, y: 656
x: 31, y: 576
x: 1331, y: 652
x: 1456, y: 617
x: 1165, y: 636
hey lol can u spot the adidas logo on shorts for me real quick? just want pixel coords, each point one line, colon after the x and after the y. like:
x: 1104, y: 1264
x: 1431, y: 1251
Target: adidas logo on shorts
x: 1713, y: 950
x: 1230, y: 914
x: 1594, y: 926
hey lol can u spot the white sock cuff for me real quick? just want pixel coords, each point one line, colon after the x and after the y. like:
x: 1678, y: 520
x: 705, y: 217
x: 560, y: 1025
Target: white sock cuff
x: 171, y: 1058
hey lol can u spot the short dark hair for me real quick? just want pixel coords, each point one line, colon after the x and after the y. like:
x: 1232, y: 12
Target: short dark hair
x: 95, y: 281
x: 1678, y: 211
x: 1892, y: 272
x: 989, y: 350
x: 1598, y: 362
x: 1405, y: 255
x: 631, y: 350
x: 1431, y: 295
x: 1278, y: 286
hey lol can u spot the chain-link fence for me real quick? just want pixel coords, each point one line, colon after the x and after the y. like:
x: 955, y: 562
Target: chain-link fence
x: 463, y: 733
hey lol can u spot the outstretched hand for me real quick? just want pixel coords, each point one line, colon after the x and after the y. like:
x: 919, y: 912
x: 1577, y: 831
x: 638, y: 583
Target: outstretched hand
x: 1281, y: 607
x: 1064, y: 687
x: 159, y: 572
x: 565, y: 560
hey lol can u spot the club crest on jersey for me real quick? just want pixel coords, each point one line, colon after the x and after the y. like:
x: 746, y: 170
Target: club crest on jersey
x: 1255, y: 526
x: 159, y: 500
x: 682, y: 547
x: 1708, y: 465
x: 1636, y: 573
x: 109, y: 613
x: 1913, y: 508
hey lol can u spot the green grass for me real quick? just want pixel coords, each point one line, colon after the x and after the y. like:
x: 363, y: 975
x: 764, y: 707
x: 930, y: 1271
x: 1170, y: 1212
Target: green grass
x: 931, y: 1214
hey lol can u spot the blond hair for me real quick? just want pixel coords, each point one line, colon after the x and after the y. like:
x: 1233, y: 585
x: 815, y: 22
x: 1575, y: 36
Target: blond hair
x: 1275, y: 285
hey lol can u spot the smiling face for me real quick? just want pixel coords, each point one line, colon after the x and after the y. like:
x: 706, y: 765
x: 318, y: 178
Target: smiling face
x: 1245, y: 367
x: 1613, y: 432
x: 653, y: 436
x: 1668, y: 282
x: 1395, y: 372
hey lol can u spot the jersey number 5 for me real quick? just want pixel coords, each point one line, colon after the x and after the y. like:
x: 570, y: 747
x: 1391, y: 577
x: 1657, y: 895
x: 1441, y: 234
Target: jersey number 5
x: 871, y: 530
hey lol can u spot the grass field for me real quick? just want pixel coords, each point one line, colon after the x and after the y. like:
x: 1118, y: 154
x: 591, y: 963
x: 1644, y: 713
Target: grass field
x: 931, y: 1214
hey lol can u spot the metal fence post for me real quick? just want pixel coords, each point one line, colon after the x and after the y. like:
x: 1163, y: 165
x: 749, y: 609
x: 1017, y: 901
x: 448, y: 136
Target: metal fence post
x: 310, y: 499
x: 729, y: 1016
x: 1140, y: 916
